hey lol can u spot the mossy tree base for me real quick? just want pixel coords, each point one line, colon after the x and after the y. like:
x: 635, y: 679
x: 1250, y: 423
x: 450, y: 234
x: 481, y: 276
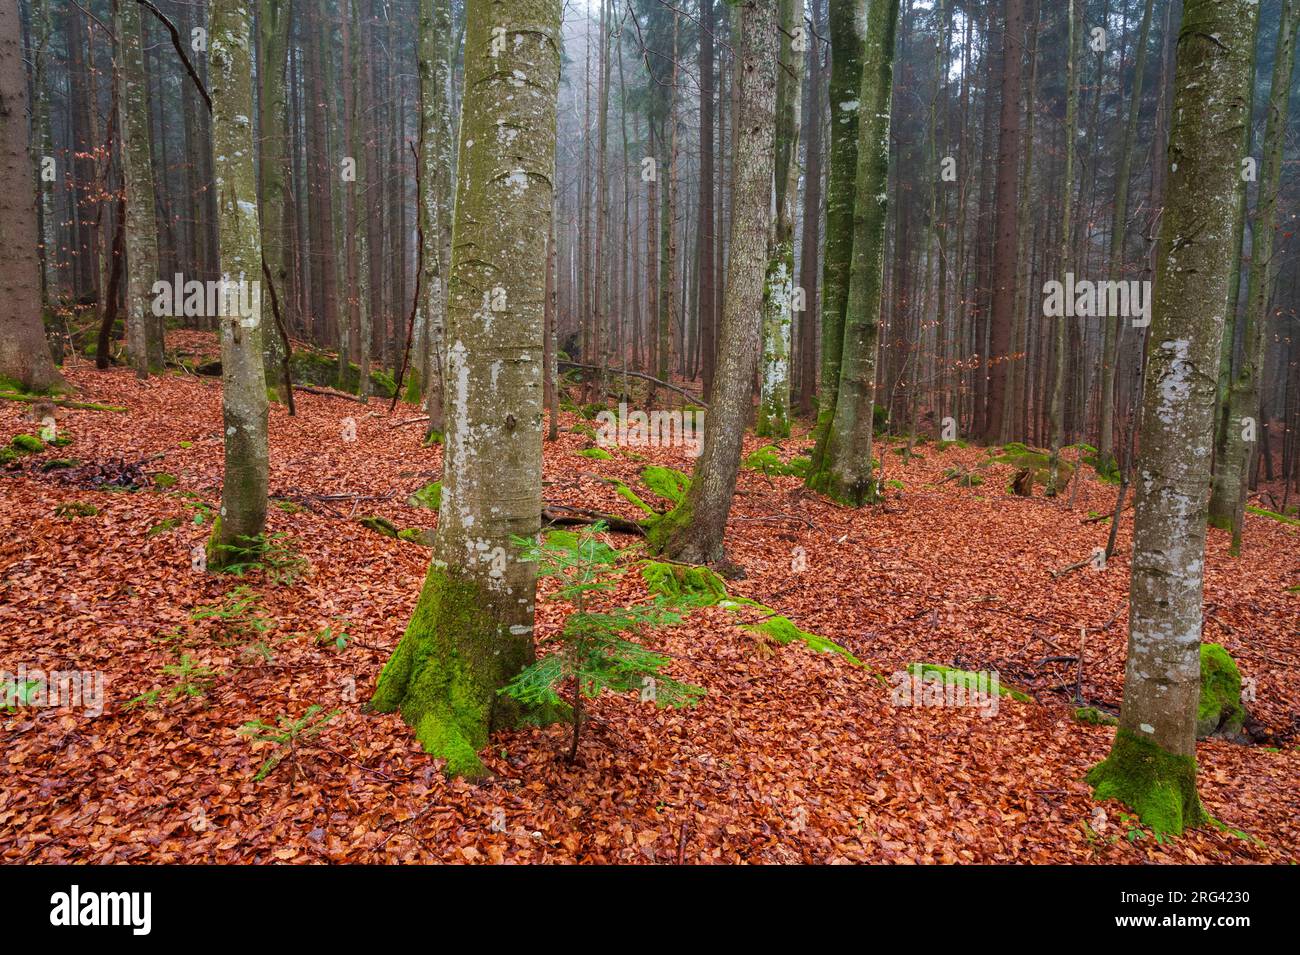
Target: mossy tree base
x: 445, y: 673
x: 1159, y: 786
x: 856, y: 493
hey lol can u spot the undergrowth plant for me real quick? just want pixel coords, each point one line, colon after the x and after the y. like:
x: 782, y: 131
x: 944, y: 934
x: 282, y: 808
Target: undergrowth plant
x: 193, y: 678
x: 594, y: 651
x: 288, y: 733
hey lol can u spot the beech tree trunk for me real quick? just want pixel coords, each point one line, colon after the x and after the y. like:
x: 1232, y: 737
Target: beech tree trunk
x: 694, y: 530
x: 472, y: 628
x: 1152, y: 764
x: 243, y: 379
x: 1244, y: 428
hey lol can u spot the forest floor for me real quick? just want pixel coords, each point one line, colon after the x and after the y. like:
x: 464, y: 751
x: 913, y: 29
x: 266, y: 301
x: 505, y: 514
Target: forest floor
x: 793, y: 756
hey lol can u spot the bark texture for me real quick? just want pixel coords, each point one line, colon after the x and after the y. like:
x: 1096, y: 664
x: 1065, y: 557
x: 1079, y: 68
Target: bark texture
x: 24, y: 354
x: 472, y: 629
x: 694, y: 530
x: 243, y: 400
x: 1152, y: 766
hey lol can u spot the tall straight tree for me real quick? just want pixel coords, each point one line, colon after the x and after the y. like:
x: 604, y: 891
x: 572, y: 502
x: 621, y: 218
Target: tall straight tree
x: 1118, y: 233
x: 707, y: 246
x: 472, y: 629
x: 435, y: 180
x: 272, y: 60
x: 243, y: 397
x: 846, y: 20
x: 144, y: 330
x: 1006, y: 246
x: 1152, y: 764
x: 1232, y: 469
x: 1067, y: 207
x: 778, y: 288
x: 845, y: 470
x: 24, y: 353
x: 694, y: 530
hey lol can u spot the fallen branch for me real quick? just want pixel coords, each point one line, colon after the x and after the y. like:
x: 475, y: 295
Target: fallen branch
x: 61, y: 402
x: 636, y: 374
x: 571, y: 516
x: 328, y: 393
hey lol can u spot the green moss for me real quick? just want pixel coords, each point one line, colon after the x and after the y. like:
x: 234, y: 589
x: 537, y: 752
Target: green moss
x: 1219, y: 710
x: 434, y: 438
x: 632, y: 497
x: 27, y: 444
x: 58, y: 464
x: 165, y: 480
x: 379, y: 524
x: 586, y: 430
x: 416, y: 535
x: 429, y: 496
x: 567, y: 540
x: 1159, y: 786
x: 783, y: 630
x: 444, y: 675
x: 1271, y: 515
x: 698, y: 586
x: 319, y: 368
x: 162, y: 527
x: 1094, y: 717
x: 660, y: 530
x: 590, y: 411
x: 957, y: 443
x: 668, y: 483
x: 767, y: 459
x: 596, y: 454
x: 970, y: 679
x: 74, y: 509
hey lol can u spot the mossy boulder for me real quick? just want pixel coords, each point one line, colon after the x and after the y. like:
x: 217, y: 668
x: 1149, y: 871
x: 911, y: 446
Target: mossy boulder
x: 974, y: 680
x: 1094, y: 717
x: 27, y: 444
x: 683, y: 583
x: 768, y: 460
x: 596, y: 454
x: 319, y: 368
x: 1219, y: 711
x: 380, y: 525
x: 429, y: 496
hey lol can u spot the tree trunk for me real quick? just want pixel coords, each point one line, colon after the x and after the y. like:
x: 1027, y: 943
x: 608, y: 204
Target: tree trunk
x: 778, y: 286
x: 846, y: 18
x: 435, y: 178
x: 846, y: 473
x: 1006, y: 269
x: 144, y: 330
x: 1244, y: 425
x: 694, y: 530
x: 472, y: 628
x: 24, y: 354
x: 1152, y: 764
x: 273, y: 58
x: 243, y: 401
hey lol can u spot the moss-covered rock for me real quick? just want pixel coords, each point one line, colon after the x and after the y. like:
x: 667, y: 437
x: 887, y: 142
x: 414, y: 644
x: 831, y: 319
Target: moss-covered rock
x: 974, y: 680
x: 784, y: 631
x: 768, y: 460
x: 74, y: 509
x: 596, y: 454
x: 1094, y: 717
x: 381, y: 525
x: 684, y: 583
x: 27, y: 444
x: 164, y: 480
x: 429, y: 496
x: 1219, y: 711
x: 417, y: 535
x: 319, y: 368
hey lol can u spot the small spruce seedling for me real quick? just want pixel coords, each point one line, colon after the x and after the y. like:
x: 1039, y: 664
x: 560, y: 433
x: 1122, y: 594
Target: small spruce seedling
x: 594, y: 651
